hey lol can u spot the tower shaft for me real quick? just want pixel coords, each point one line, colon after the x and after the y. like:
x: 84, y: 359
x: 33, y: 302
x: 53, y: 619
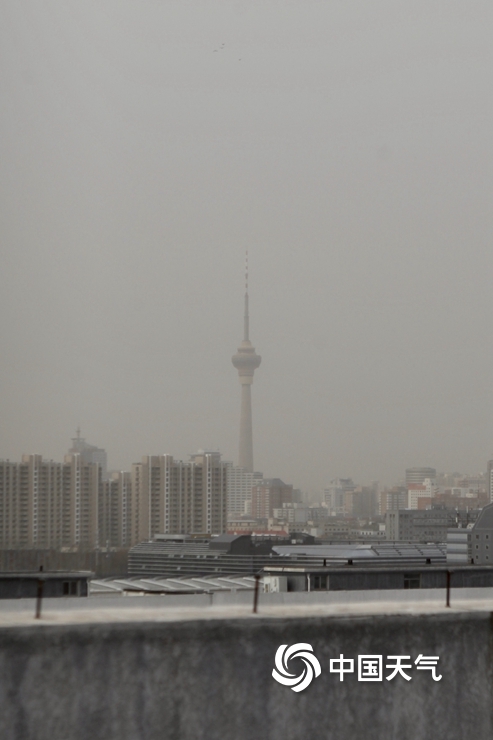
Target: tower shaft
x: 245, y: 457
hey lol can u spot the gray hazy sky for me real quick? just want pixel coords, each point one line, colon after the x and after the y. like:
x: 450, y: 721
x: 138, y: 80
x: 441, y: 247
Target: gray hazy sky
x: 346, y: 144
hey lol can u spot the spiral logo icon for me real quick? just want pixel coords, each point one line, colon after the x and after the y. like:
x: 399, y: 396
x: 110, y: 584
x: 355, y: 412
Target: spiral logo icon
x: 312, y: 666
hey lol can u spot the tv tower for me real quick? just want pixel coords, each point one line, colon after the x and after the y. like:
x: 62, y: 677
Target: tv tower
x: 246, y: 361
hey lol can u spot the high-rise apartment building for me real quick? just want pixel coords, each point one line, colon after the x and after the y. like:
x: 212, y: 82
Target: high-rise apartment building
x: 335, y: 494
x: 44, y: 504
x: 239, y: 486
x: 363, y: 502
x: 90, y: 453
x: 174, y: 497
x: 393, y: 499
x: 67, y: 506
x: 418, y: 475
x: 115, y: 511
x: 82, y: 485
x: 270, y: 494
x: 426, y: 490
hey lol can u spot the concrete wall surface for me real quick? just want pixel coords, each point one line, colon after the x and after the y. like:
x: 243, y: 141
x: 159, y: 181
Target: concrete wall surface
x: 399, y: 596
x: 329, y: 599
x: 212, y: 680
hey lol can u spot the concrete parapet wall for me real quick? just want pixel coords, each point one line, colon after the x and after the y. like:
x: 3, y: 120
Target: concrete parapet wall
x: 211, y: 680
x: 436, y: 596
x: 464, y: 598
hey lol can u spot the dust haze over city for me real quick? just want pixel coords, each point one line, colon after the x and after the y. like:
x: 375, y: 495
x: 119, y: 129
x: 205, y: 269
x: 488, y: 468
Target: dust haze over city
x: 347, y: 146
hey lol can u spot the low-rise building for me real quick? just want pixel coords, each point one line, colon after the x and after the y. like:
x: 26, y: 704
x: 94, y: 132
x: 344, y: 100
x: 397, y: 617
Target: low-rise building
x: 293, y: 513
x: 333, y: 528
x: 459, y: 546
x: 480, y: 542
x: 414, y: 525
x: 371, y: 577
x: 44, y: 584
x: 427, y: 525
x: 415, y: 491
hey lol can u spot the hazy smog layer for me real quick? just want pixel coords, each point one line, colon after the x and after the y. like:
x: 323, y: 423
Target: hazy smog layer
x: 145, y: 146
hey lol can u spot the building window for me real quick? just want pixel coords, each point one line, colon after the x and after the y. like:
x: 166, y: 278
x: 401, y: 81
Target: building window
x: 318, y: 583
x: 412, y: 580
x: 70, y: 588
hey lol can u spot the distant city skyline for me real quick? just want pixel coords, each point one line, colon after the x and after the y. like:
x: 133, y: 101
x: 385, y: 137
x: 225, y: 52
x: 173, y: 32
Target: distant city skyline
x: 91, y: 453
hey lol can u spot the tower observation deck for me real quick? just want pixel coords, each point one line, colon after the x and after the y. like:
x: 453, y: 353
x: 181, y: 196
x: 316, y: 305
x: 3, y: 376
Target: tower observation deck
x: 246, y: 361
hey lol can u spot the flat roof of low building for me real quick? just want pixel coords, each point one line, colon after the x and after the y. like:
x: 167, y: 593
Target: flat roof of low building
x: 156, y: 585
x: 46, y: 574
x: 366, y: 551
x: 379, y: 568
